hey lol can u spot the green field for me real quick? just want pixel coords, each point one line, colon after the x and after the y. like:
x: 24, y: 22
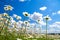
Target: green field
x: 14, y: 37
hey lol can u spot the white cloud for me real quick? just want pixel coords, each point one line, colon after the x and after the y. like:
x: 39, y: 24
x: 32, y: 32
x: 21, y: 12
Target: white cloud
x: 36, y: 16
x: 32, y: 24
x: 51, y: 30
x: 42, y: 23
x: 14, y: 15
x: 58, y: 12
x: 55, y: 25
x: 53, y: 13
x: 22, y: 0
x: 43, y: 8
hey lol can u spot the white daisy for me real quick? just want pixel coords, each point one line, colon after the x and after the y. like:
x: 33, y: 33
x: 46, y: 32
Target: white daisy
x: 0, y: 15
x: 26, y: 22
x: 26, y: 14
x: 18, y: 17
x: 8, y: 7
x: 19, y: 39
x: 1, y: 18
x: 47, y: 17
x: 5, y: 14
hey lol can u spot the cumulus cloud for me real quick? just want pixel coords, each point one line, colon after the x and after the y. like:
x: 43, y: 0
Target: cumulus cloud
x: 42, y: 23
x: 36, y: 16
x: 53, y: 31
x: 54, y: 28
x: 43, y: 8
x: 50, y: 31
x: 55, y: 25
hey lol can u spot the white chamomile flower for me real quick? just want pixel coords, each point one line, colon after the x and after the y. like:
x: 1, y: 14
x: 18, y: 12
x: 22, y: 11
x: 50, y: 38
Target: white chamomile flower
x: 26, y: 22
x: 1, y: 18
x: 8, y: 7
x: 26, y: 14
x: 47, y: 18
x: 38, y: 20
x: 5, y: 8
x: 5, y: 14
x: 0, y: 15
x: 18, y: 17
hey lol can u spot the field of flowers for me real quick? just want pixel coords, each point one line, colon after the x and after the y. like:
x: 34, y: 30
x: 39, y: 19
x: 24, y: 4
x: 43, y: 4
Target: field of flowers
x: 7, y: 32
x: 12, y: 30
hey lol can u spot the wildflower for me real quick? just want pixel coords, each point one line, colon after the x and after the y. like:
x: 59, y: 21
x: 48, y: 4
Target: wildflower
x: 1, y: 18
x: 8, y: 16
x: 26, y: 22
x: 38, y: 21
x: 19, y: 39
x: 5, y: 14
x: 15, y: 24
x: 5, y: 8
x: 0, y: 15
x: 30, y: 36
x: 26, y: 14
x: 11, y: 18
x: 8, y: 7
x: 47, y: 18
x: 18, y: 17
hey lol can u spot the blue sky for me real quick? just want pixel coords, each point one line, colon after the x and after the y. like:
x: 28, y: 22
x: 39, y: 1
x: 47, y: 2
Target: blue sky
x: 52, y: 8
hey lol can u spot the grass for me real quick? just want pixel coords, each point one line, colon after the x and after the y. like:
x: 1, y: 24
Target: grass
x: 13, y: 37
